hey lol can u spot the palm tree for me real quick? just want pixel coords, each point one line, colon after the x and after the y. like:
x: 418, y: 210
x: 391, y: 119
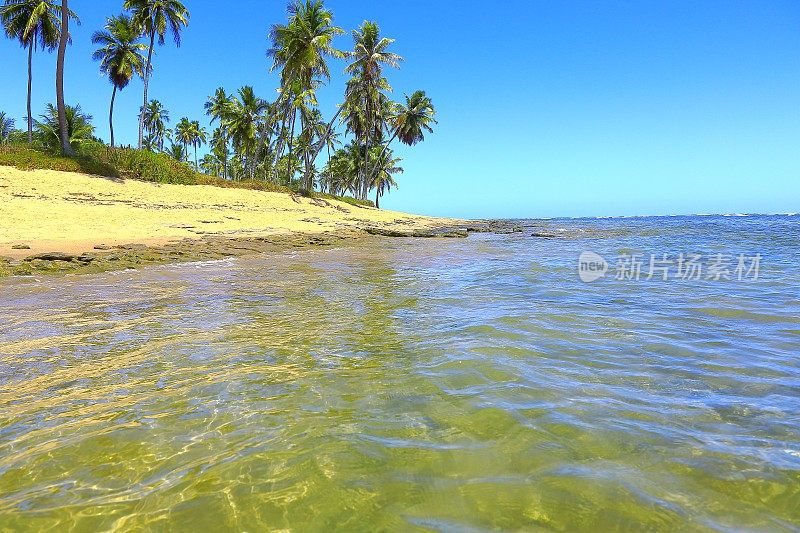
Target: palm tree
x: 66, y: 146
x: 300, y: 49
x: 78, y: 128
x: 177, y: 152
x: 411, y: 121
x: 218, y: 108
x: 386, y: 166
x: 184, y: 133
x: 155, y: 17
x: 210, y: 165
x: 242, y: 124
x: 199, y: 137
x: 6, y: 127
x: 219, y: 149
x: 35, y: 24
x: 120, y: 56
x: 155, y: 120
x: 370, y: 53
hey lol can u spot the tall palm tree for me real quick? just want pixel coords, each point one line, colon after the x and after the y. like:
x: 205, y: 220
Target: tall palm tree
x: 219, y: 151
x: 35, y: 24
x: 370, y: 54
x: 66, y: 146
x: 155, y: 120
x: 218, y: 108
x: 6, y: 127
x: 199, y: 137
x: 120, y: 56
x: 410, y: 122
x: 242, y: 123
x: 300, y: 49
x: 155, y: 18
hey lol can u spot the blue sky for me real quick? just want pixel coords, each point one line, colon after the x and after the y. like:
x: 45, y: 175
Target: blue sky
x: 573, y: 108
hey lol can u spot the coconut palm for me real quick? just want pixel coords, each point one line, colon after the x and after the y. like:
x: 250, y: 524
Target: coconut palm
x: 219, y: 149
x: 155, y: 18
x: 409, y: 122
x: 155, y: 120
x: 120, y: 56
x: 371, y: 52
x: 78, y: 130
x: 210, y: 165
x: 199, y: 137
x: 6, y: 127
x: 184, y: 133
x: 300, y: 49
x: 36, y: 24
x: 366, y: 89
x: 383, y: 179
x: 242, y: 124
x: 177, y: 152
x: 64, y: 39
x: 218, y: 108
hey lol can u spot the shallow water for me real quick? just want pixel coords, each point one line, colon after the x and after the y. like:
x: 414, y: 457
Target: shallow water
x: 430, y: 385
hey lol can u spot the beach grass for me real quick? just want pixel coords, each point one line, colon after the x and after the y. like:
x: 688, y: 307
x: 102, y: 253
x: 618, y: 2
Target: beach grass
x: 129, y: 163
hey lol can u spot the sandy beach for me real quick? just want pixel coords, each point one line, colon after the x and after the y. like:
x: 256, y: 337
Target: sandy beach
x: 46, y: 211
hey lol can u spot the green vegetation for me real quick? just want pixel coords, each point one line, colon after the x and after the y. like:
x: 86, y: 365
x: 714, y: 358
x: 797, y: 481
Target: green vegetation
x: 278, y: 144
x: 36, y: 24
x: 156, y: 17
x: 120, y: 56
x: 47, y: 131
x: 128, y: 163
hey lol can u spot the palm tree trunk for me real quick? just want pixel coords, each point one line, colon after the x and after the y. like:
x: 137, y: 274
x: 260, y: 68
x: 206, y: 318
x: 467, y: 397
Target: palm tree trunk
x: 146, y: 87
x: 66, y: 148
x: 279, y: 146
x: 290, y: 166
x: 195, y: 156
x: 111, y: 115
x: 365, y: 183
x: 323, y: 141
x: 377, y: 197
x: 225, y: 160
x: 30, y: 87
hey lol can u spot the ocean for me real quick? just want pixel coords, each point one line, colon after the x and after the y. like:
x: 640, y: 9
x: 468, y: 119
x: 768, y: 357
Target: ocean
x: 612, y: 374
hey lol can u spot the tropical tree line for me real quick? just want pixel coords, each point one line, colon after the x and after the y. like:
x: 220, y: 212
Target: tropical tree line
x: 286, y: 139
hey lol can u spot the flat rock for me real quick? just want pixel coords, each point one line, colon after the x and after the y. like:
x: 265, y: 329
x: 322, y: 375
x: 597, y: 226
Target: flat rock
x: 61, y: 256
x: 395, y: 233
x: 20, y: 247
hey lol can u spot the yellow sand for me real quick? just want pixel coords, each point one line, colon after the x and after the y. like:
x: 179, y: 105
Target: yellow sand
x: 63, y: 211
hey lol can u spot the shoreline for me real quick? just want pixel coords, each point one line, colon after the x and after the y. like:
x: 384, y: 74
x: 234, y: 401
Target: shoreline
x: 54, y: 222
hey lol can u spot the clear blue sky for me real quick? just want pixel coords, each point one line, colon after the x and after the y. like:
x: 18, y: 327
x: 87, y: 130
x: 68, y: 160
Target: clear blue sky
x: 573, y: 108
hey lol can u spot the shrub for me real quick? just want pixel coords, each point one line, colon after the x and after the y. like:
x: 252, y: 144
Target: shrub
x: 128, y: 163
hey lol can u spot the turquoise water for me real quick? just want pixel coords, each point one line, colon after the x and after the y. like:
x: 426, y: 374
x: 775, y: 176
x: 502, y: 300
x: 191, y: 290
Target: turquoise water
x: 417, y: 385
